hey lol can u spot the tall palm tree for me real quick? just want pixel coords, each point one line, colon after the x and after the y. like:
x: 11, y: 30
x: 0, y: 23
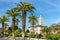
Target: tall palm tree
x: 3, y: 19
x: 13, y: 13
x: 32, y: 20
x: 24, y: 7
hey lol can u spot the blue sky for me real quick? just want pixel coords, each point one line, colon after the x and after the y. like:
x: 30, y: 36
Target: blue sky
x: 49, y: 9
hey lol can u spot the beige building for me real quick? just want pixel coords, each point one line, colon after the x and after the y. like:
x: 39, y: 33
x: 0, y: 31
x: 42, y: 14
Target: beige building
x: 37, y: 30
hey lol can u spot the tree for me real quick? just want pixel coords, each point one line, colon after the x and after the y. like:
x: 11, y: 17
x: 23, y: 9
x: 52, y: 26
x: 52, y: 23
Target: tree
x: 13, y: 13
x: 46, y: 30
x: 3, y: 19
x: 24, y: 7
x: 56, y: 27
x: 32, y: 20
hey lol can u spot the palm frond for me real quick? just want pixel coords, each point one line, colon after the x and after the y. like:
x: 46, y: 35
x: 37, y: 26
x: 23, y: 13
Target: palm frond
x: 3, y: 19
x: 26, y: 6
x: 32, y: 19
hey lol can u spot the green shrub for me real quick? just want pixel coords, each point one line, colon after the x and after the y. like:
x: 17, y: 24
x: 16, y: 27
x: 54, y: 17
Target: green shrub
x: 52, y: 36
x: 6, y: 35
x: 58, y: 36
x: 32, y: 35
x: 18, y: 35
x: 26, y: 35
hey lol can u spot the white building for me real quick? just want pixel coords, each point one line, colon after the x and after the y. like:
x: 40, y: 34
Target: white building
x: 37, y: 30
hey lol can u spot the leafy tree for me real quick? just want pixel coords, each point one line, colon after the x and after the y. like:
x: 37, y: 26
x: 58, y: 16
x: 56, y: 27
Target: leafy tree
x: 55, y: 27
x: 46, y: 30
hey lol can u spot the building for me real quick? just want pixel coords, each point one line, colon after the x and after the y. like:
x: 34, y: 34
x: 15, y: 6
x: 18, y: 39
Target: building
x: 37, y: 30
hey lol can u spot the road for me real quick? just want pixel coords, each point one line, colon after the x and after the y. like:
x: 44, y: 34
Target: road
x: 19, y: 38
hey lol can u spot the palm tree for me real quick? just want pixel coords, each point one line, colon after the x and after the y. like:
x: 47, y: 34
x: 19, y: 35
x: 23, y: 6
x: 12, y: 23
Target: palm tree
x: 24, y: 7
x: 3, y: 19
x: 32, y: 20
x: 13, y: 13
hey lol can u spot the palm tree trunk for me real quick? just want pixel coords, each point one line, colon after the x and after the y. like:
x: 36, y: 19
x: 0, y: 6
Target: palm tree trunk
x: 32, y: 27
x: 13, y: 25
x: 23, y: 23
x: 16, y: 23
x: 3, y: 28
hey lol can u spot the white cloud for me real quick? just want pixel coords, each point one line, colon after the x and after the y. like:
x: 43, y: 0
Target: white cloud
x: 51, y: 10
x: 52, y: 4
